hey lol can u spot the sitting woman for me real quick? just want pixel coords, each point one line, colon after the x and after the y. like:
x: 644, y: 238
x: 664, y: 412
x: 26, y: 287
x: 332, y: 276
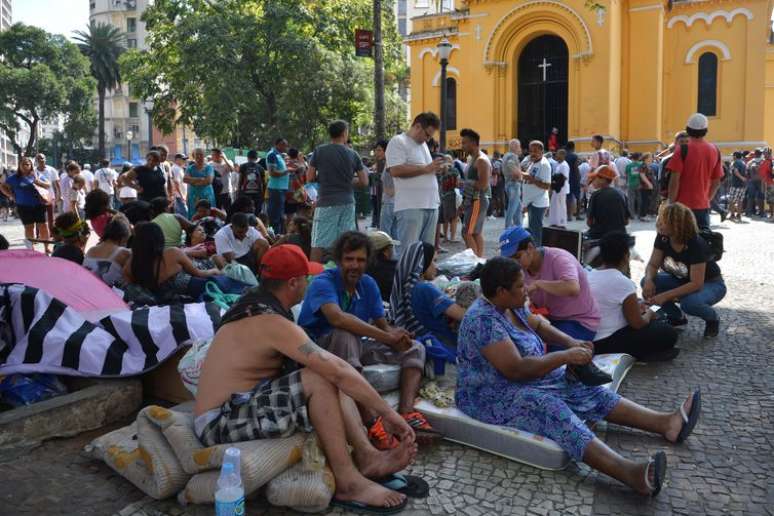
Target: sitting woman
x: 626, y: 325
x: 505, y: 377
x: 299, y: 233
x: 689, y: 275
x: 171, y: 224
x: 71, y: 234
x: 107, y: 259
x: 417, y: 304
x: 205, y: 210
x: 98, y: 210
x: 200, y: 248
x: 167, y: 271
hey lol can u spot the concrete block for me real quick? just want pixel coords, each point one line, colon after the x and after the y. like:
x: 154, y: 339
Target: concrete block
x: 104, y: 402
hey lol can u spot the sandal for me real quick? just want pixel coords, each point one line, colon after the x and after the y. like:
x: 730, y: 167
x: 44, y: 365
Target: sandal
x: 659, y: 463
x: 409, y: 485
x: 690, y: 419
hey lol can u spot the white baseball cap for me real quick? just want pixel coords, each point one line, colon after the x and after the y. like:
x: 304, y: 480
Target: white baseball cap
x: 698, y: 122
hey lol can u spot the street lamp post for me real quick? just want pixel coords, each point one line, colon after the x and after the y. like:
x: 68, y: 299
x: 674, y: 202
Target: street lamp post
x: 444, y: 50
x: 129, y: 136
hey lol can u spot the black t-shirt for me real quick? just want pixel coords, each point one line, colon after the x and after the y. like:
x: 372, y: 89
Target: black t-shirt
x: 575, y: 178
x: 739, y: 167
x: 608, y: 212
x: 152, y: 181
x: 383, y: 272
x: 251, y: 175
x: 679, y: 264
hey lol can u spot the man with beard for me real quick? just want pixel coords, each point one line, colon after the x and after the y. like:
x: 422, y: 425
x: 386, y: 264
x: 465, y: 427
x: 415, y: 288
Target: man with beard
x: 344, y: 314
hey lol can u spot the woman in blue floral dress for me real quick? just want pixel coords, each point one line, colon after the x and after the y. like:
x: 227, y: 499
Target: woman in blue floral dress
x: 507, y: 378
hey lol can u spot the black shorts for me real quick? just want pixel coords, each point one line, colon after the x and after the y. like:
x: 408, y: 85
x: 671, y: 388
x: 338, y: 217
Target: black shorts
x: 31, y: 214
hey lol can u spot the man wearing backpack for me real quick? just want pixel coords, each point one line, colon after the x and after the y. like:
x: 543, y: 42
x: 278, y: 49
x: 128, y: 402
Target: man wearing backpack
x: 695, y: 171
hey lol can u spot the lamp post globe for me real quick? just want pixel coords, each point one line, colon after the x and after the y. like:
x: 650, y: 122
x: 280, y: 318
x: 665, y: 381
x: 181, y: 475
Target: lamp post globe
x: 129, y: 136
x: 444, y: 51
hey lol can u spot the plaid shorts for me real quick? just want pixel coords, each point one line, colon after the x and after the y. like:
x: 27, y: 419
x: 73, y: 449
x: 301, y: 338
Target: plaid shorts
x: 770, y: 194
x: 271, y: 410
x: 736, y: 194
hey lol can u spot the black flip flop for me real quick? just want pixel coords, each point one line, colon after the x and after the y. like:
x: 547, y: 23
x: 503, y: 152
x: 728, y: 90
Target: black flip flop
x: 690, y: 419
x: 362, y: 508
x: 409, y: 485
x: 659, y: 463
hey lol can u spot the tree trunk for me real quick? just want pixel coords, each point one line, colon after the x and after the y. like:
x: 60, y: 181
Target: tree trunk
x: 378, y: 73
x: 101, y: 124
x: 28, y: 151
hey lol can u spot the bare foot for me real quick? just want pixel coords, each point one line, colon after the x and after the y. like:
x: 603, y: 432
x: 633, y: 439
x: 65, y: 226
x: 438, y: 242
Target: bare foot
x: 676, y: 423
x: 376, y: 464
x: 638, y: 483
x: 362, y: 490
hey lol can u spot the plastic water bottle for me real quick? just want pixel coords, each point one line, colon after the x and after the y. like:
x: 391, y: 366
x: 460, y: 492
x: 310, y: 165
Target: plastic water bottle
x: 230, y: 496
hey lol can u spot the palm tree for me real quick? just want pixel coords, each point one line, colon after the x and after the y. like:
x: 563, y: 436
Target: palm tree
x: 102, y: 44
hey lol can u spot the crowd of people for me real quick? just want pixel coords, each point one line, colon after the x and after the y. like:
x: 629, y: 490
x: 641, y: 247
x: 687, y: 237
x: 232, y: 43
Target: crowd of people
x: 525, y: 340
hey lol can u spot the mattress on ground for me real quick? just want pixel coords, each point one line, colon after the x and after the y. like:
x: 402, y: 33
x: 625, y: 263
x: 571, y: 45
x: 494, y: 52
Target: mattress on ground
x: 510, y: 443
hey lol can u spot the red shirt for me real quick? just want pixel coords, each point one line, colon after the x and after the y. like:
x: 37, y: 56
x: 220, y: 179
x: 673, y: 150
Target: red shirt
x: 764, y: 170
x: 701, y: 167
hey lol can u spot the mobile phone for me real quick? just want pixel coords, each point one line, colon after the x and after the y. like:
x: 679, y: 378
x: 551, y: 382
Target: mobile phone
x: 654, y: 308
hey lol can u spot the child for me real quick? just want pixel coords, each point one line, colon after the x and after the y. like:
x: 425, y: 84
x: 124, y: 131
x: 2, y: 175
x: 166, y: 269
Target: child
x: 72, y: 233
x: 78, y: 197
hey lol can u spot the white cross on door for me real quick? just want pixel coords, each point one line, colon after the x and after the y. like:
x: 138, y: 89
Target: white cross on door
x: 545, y: 66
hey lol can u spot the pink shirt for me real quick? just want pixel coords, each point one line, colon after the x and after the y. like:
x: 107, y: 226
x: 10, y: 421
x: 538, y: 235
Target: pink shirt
x: 559, y: 265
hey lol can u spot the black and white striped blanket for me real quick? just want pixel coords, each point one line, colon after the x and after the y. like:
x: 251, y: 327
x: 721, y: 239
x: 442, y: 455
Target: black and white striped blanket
x: 40, y: 334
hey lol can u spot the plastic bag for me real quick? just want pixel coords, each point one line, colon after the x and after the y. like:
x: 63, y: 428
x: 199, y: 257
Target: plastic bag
x: 241, y: 273
x: 190, y: 366
x: 18, y: 390
x: 460, y: 264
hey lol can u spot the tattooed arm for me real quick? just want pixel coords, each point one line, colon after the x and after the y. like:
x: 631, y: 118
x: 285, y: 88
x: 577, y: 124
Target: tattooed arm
x: 290, y: 340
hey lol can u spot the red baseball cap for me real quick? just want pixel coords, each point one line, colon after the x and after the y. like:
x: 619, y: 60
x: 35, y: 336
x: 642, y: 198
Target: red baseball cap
x: 287, y: 261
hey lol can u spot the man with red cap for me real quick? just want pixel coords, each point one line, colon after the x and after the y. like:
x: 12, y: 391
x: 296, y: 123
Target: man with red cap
x: 251, y: 387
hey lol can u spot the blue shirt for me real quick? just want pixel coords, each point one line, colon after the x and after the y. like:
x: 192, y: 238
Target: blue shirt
x: 328, y: 287
x: 276, y: 162
x: 429, y: 306
x: 23, y: 190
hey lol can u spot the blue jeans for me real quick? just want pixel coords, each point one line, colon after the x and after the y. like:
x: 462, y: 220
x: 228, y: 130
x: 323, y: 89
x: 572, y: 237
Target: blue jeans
x: 572, y: 328
x: 276, y: 210
x: 513, y: 215
x: 536, y: 223
x: 702, y: 218
x: 416, y: 225
x: 387, y: 222
x: 698, y: 303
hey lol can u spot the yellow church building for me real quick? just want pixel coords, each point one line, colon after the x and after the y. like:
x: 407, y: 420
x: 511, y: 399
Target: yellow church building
x: 630, y: 70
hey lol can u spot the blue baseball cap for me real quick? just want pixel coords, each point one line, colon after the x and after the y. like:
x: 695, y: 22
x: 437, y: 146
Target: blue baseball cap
x: 510, y: 240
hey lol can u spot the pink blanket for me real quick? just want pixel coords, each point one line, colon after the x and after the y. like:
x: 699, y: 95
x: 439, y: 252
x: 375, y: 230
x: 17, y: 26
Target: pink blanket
x: 73, y: 285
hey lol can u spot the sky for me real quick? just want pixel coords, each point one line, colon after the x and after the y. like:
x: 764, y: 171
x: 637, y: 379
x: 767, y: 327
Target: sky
x: 57, y: 16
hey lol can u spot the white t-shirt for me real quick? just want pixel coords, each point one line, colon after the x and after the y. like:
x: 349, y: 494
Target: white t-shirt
x: 226, y: 242
x: 89, y: 177
x: 65, y: 186
x: 584, y: 169
x: 79, y: 196
x: 564, y: 169
x: 610, y: 288
x: 419, y: 192
x: 177, y: 177
x: 105, y: 178
x: 50, y: 176
x: 531, y: 194
x: 225, y: 176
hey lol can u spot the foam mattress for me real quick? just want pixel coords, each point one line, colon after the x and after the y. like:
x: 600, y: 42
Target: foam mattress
x: 511, y: 443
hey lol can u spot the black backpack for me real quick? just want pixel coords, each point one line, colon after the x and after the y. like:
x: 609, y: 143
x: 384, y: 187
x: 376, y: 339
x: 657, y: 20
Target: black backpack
x: 715, y: 242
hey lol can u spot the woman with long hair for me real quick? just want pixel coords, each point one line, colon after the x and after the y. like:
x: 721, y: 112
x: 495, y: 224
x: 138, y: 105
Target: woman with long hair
x: 24, y: 188
x: 299, y: 233
x: 161, y: 270
x: 682, y: 270
x: 107, y: 259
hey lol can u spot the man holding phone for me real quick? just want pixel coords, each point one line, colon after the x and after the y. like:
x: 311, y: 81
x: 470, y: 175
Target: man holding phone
x: 416, y: 188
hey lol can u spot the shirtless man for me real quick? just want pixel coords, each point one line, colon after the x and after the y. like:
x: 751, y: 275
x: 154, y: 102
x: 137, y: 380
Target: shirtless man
x: 250, y: 387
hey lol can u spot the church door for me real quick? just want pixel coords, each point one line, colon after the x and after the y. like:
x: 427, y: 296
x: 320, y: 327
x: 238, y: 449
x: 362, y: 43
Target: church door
x: 543, y: 90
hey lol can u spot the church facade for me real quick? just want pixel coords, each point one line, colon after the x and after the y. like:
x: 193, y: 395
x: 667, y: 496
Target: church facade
x: 630, y: 70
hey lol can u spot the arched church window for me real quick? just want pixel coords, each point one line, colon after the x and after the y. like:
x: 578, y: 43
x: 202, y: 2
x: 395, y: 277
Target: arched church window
x: 708, y: 84
x: 451, y: 104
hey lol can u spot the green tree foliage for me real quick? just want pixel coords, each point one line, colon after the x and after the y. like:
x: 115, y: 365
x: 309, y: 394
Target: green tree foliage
x: 103, y: 44
x: 243, y: 72
x: 42, y: 76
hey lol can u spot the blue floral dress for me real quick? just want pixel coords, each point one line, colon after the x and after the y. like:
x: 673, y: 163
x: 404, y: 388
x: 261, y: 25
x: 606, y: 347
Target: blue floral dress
x: 197, y: 192
x: 550, y: 406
